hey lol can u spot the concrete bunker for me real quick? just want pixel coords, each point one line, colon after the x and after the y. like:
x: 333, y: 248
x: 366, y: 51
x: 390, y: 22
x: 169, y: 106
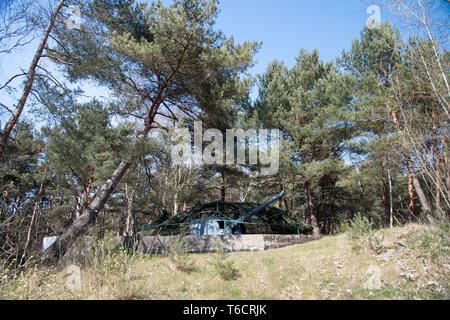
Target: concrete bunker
x: 228, y: 218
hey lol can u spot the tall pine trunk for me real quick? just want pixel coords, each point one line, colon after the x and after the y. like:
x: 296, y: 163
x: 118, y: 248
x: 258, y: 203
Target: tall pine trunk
x: 33, y: 215
x: 4, y: 135
x: 446, y: 172
x: 419, y: 191
x: 129, y: 225
x: 97, y: 204
x: 223, y: 189
x: 384, y: 190
x: 410, y: 188
x: 312, y: 216
x: 280, y: 201
x: 88, y: 215
x: 77, y: 227
x: 437, y: 165
x: 175, y: 203
x: 391, y: 205
x: 417, y: 187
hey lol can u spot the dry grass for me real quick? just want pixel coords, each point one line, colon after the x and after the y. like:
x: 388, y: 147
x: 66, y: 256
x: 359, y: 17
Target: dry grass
x: 411, y: 268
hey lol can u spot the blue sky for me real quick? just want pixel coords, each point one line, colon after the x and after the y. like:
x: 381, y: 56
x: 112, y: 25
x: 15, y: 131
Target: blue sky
x: 284, y: 26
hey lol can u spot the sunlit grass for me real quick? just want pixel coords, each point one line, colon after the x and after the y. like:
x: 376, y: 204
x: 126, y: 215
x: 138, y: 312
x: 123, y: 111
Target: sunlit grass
x: 328, y: 268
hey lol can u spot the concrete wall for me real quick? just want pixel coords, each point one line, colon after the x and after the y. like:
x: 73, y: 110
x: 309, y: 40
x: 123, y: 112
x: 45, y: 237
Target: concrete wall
x: 81, y: 250
x: 230, y: 243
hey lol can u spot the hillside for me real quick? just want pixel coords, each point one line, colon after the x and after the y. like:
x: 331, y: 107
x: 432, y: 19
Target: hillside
x: 410, y: 262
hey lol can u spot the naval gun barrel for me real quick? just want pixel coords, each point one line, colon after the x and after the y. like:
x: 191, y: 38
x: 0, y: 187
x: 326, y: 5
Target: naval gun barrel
x: 260, y: 207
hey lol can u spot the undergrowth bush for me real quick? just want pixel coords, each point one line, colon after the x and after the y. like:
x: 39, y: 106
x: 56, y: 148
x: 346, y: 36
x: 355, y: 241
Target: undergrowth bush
x: 363, y: 235
x: 28, y: 281
x: 433, y: 241
x: 224, y: 267
x: 178, y: 254
x: 360, y: 227
x: 111, y: 267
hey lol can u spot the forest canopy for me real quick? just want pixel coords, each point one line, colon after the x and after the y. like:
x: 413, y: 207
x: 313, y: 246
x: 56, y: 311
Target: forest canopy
x: 363, y: 134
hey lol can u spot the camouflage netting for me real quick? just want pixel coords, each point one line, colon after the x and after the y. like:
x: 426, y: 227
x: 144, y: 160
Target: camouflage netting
x: 270, y: 220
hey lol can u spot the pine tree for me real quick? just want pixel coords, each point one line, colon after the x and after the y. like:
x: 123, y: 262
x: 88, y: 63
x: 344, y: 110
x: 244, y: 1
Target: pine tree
x: 187, y: 66
x: 88, y: 134
x: 374, y: 60
x: 308, y: 103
